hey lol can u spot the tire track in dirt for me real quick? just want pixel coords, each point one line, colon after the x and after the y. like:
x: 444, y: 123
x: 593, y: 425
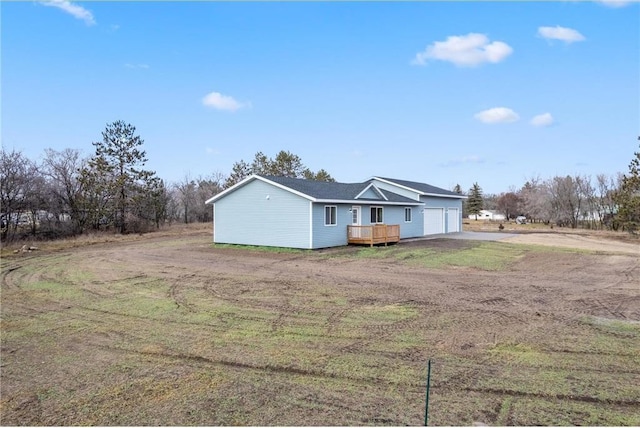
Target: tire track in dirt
x: 579, y: 398
x: 277, y: 369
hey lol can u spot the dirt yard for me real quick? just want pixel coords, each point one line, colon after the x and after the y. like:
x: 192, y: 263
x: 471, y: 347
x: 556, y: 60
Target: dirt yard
x: 167, y: 329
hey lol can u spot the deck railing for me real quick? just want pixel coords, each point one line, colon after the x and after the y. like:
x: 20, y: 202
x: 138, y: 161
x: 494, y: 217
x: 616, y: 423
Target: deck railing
x: 374, y: 234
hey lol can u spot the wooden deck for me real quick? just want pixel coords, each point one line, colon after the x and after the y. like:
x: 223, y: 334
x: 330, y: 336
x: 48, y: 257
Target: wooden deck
x: 371, y: 235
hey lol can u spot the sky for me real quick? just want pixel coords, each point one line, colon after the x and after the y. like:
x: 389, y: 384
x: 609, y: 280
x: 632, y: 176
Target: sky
x: 443, y: 93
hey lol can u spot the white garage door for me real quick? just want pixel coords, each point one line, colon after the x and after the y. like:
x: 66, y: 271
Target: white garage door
x: 453, y: 220
x: 433, y: 221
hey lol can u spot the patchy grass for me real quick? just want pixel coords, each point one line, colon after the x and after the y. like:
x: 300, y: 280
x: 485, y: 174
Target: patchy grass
x: 631, y: 328
x: 483, y: 255
x: 170, y: 335
x: 492, y: 256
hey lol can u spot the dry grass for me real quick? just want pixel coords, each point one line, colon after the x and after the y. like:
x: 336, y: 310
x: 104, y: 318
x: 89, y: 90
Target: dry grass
x: 166, y: 329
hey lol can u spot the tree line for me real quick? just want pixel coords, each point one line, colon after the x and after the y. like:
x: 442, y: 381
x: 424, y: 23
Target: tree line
x: 602, y: 202
x: 66, y: 194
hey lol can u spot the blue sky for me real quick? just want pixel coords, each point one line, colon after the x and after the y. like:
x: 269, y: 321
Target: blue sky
x: 437, y: 92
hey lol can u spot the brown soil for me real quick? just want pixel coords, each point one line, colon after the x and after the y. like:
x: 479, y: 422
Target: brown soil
x: 167, y: 330
x: 580, y: 241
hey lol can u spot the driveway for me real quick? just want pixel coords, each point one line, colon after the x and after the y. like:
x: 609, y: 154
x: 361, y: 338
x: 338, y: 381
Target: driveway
x: 565, y: 240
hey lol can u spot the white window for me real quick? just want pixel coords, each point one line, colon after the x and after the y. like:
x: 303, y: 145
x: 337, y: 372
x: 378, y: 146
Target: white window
x: 376, y: 215
x: 330, y: 215
x: 407, y: 215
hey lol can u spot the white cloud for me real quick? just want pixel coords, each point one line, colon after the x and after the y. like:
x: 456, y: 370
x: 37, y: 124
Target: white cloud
x: 616, y: 3
x: 222, y: 102
x: 138, y: 66
x: 497, y: 115
x: 465, y: 51
x: 76, y: 11
x: 544, y: 119
x: 567, y: 35
x: 211, y: 151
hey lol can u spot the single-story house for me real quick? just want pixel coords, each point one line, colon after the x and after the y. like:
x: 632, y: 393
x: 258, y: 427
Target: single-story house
x: 298, y: 213
x: 487, y: 215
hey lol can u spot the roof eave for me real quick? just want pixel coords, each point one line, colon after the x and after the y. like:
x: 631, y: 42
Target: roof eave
x: 365, y: 202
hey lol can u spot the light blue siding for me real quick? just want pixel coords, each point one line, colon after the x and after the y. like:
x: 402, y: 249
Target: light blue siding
x: 395, y: 215
x: 415, y: 227
x: 262, y: 214
x: 446, y: 203
x: 333, y: 236
x: 330, y: 236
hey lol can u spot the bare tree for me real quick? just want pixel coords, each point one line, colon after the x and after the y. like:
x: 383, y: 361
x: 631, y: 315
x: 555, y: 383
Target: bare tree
x: 186, y: 190
x: 535, y: 200
x: 208, y: 187
x: 17, y: 179
x: 569, y: 199
x: 509, y: 204
x: 606, y: 187
x: 62, y: 170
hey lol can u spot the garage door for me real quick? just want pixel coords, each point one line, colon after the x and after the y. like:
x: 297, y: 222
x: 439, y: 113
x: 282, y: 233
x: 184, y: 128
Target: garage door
x: 433, y: 221
x: 453, y: 220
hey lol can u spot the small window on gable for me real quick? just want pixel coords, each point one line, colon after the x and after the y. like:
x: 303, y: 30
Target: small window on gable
x: 330, y: 215
x: 407, y: 215
x: 376, y: 215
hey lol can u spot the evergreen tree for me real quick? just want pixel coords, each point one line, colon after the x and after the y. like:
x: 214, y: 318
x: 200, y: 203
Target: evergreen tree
x: 475, y: 201
x: 239, y: 171
x: 628, y: 197
x: 117, y: 170
x: 285, y: 164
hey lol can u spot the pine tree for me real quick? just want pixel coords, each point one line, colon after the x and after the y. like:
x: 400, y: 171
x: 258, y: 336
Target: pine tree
x: 628, y: 197
x: 117, y: 167
x: 285, y: 164
x: 475, y: 201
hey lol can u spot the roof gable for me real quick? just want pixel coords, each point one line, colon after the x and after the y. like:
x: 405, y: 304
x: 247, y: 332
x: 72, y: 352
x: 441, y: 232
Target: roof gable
x: 421, y: 188
x: 372, y: 190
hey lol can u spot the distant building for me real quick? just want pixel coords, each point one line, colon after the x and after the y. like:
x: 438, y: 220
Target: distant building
x: 488, y: 215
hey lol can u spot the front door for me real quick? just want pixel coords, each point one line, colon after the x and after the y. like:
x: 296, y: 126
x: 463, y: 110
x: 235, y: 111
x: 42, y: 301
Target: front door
x: 355, y: 221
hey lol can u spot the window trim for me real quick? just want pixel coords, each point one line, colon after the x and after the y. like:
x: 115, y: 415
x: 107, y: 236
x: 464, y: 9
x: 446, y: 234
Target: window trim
x: 332, y: 209
x: 378, y: 220
x: 410, y: 211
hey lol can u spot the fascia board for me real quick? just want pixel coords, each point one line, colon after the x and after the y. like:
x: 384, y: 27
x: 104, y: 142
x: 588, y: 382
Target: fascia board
x: 365, y: 202
x: 445, y: 196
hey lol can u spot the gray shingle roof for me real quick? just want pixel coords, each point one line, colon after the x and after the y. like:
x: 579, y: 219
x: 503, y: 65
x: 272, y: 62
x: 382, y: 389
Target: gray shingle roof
x: 320, y: 189
x: 327, y: 191
x: 421, y: 187
x: 335, y: 191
